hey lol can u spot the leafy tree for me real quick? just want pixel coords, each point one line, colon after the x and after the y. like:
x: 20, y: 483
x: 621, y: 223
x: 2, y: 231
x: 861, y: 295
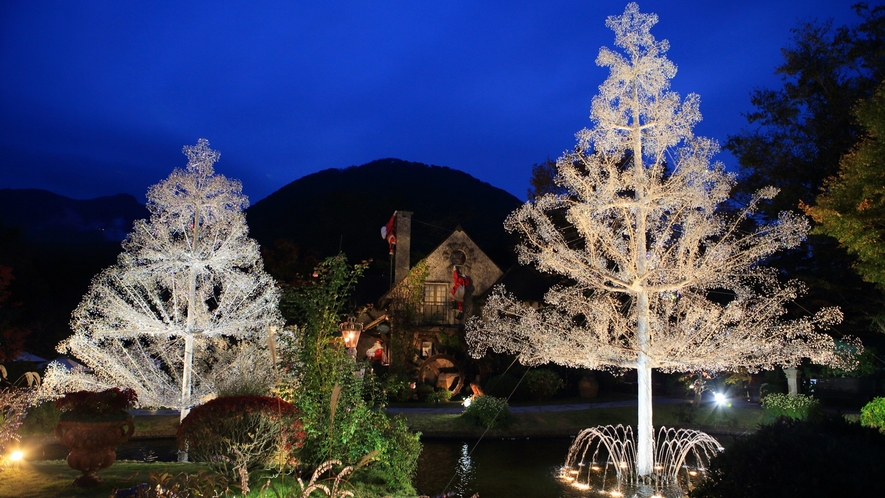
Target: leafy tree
x: 659, y: 277
x: 187, y: 308
x: 796, y: 137
x: 802, y: 129
x: 339, y: 400
x: 852, y: 208
x: 543, y: 179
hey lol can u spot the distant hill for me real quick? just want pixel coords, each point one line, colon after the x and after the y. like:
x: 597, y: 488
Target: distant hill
x: 55, y: 245
x: 344, y: 209
x: 45, y: 217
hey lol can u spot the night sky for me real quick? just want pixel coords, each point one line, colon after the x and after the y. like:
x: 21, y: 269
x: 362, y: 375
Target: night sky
x: 98, y: 98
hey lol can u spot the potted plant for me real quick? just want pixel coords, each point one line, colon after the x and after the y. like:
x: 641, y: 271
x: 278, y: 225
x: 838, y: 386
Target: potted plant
x: 588, y: 386
x: 91, y: 425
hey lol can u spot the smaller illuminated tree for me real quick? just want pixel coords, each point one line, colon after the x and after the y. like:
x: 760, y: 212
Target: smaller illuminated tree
x: 187, y: 309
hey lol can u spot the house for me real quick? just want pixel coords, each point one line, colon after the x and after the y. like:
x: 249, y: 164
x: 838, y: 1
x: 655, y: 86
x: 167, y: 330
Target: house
x: 455, y: 273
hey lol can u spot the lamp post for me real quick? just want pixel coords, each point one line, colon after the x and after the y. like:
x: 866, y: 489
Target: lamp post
x: 350, y: 332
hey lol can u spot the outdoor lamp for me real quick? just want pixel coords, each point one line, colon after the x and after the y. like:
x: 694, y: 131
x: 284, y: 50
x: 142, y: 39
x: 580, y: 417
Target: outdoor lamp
x: 350, y: 332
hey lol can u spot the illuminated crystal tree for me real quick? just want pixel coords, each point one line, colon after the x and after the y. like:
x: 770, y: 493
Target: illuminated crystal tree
x: 188, y: 306
x: 657, y: 276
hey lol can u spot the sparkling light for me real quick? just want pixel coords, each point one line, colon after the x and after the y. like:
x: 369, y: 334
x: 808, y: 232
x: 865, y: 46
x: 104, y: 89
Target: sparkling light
x: 188, y: 307
x: 720, y: 398
x: 640, y: 232
x: 16, y: 456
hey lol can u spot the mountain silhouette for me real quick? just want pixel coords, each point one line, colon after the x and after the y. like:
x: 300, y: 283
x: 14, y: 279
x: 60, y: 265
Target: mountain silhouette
x: 55, y: 245
x: 343, y: 210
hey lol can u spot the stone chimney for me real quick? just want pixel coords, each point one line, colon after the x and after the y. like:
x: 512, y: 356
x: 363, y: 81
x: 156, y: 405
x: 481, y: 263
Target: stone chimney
x: 403, y: 245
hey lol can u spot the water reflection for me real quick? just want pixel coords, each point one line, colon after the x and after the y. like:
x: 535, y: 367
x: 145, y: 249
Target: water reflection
x: 511, y: 467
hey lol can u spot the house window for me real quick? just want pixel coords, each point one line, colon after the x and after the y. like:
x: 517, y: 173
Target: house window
x: 436, y: 302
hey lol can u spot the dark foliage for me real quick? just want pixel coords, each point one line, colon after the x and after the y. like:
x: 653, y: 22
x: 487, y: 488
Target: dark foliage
x: 55, y: 245
x: 245, y: 431
x: 342, y: 210
x: 825, y: 457
x: 91, y: 406
x: 797, y: 135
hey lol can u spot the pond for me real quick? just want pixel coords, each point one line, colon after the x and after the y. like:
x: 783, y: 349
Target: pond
x: 503, y: 467
x: 524, y: 467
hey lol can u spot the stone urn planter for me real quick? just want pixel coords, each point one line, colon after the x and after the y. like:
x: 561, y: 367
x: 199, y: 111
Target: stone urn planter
x: 588, y: 387
x: 93, y: 446
x: 91, y: 425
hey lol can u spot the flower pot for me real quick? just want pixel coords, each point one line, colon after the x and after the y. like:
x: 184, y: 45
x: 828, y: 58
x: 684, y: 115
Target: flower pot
x: 93, y: 445
x: 588, y: 387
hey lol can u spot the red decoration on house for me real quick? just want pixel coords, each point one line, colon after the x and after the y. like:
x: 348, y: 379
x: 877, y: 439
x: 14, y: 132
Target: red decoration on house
x: 388, y: 232
x: 459, y: 287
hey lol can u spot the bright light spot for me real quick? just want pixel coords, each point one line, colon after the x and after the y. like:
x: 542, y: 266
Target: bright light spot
x: 16, y: 456
x: 573, y: 472
x: 467, y: 402
x: 659, y: 467
x: 581, y: 486
x: 692, y: 472
x: 720, y: 398
x: 616, y: 493
x: 623, y: 465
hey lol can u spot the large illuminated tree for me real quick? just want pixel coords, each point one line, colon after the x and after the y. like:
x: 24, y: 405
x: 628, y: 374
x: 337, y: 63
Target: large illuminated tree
x: 188, y: 306
x: 658, y: 277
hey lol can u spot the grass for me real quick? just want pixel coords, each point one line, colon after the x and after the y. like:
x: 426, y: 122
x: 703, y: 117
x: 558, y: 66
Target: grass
x: 52, y: 479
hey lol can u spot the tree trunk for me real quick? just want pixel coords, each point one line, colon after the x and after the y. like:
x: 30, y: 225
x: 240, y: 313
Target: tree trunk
x: 645, y: 443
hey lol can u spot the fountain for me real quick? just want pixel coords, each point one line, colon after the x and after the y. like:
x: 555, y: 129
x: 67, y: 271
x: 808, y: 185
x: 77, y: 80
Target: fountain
x: 681, y: 456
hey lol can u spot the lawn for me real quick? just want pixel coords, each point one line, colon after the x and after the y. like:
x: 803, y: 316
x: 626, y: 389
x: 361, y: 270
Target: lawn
x: 51, y: 479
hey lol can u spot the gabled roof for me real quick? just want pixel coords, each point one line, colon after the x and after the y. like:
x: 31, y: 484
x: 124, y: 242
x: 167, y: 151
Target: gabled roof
x: 483, y: 272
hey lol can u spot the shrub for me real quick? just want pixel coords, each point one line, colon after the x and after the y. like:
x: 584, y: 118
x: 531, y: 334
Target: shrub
x: 41, y: 419
x: 508, y: 387
x: 424, y: 390
x: 89, y: 406
x: 799, y: 407
x: 873, y: 414
x: 824, y: 457
x: 237, y: 434
x: 398, y: 388
x: 441, y: 396
x: 543, y: 384
x: 13, y: 409
x: 488, y: 411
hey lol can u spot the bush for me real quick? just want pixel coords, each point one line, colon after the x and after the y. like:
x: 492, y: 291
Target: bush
x: 237, y: 434
x: 441, y: 396
x: 424, y: 390
x: 508, y: 387
x: 799, y: 407
x: 873, y: 414
x: 488, y: 411
x: 398, y: 388
x: 41, y: 419
x: 824, y: 457
x: 543, y: 384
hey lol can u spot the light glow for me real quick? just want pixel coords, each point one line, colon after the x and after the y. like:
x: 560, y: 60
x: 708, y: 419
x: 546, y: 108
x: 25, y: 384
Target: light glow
x: 720, y: 398
x: 16, y: 456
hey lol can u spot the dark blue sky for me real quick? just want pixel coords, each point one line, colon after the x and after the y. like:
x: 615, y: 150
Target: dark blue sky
x: 98, y: 98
